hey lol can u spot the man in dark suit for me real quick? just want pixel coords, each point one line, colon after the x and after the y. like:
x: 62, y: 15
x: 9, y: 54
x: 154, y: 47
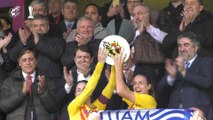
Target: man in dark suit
x: 189, y: 77
x: 28, y: 93
x: 69, y: 11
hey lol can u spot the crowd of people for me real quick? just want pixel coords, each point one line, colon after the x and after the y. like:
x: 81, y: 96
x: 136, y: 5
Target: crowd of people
x: 53, y: 69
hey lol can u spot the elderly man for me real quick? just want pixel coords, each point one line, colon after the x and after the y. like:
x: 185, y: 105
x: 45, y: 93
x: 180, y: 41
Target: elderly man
x: 189, y: 77
x: 28, y: 94
x: 147, y: 41
x: 92, y: 11
x: 49, y: 49
x: 84, y: 35
x: 197, y: 20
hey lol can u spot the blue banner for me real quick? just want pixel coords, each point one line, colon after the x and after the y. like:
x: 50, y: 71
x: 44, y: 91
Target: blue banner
x: 147, y: 114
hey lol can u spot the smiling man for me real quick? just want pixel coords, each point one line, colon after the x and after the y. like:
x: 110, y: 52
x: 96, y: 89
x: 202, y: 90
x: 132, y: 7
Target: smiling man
x: 189, y: 77
x: 27, y: 93
x: 84, y: 36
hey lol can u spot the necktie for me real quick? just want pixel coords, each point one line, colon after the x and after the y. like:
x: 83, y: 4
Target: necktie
x: 187, y: 65
x: 69, y: 26
x: 30, y: 81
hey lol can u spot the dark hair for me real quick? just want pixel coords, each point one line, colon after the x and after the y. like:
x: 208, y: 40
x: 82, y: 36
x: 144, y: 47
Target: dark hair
x: 192, y: 37
x: 81, y: 81
x: 95, y: 5
x: 84, y: 48
x: 26, y: 50
x: 6, y: 19
x: 41, y: 17
x: 149, y: 80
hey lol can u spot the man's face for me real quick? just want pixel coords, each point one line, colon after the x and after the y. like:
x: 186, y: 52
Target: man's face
x: 186, y: 49
x: 55, y: 6
x: 40, y: 26
x: 192, y: 7
x: 92, y: 12
x: 28, y: 63
x: 83, y: 60
x: 131, y: 4
x: 86, y: 29
x: 70, y: 11
x: 38, y: 9
x: 139, y: 13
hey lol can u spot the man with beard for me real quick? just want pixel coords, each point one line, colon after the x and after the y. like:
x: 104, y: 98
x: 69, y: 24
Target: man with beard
x: 189, y: 77
x: 147, y: 41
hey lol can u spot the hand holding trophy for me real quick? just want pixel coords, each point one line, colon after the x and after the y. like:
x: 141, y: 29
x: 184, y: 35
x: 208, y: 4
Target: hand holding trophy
x: 114, y: 45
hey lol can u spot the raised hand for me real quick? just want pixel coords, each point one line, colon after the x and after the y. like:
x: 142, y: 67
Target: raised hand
x: 24, y: 34
x: 41, y: 83
x: 68, y: 76
x: 80, y: 39
x: 145, y: 23
x: 102, y: 54
x: 36, y: 37
x: 171, y: 67
x: 119, y: 60
x: 180, y: 64
x: 187, y: 18
x: 26, y: 87
x: 120, y: 10
x: 112, y: 11
x: 6, y: 40
x: 67, y: 33
x: 197, y: 114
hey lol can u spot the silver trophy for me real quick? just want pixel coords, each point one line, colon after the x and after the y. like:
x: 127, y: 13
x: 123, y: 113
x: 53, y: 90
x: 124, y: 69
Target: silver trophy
x: 30, y: 12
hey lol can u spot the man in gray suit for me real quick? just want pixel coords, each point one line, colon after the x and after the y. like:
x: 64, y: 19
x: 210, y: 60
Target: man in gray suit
x: 189, y: 77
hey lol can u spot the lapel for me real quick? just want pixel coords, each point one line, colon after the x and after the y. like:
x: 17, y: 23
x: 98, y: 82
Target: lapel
x: 194, y: 64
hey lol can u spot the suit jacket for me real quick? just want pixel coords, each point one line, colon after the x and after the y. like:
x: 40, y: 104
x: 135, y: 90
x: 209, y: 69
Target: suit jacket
x: 63, y: 26
x: 18, y: 105
x: 193, y: 90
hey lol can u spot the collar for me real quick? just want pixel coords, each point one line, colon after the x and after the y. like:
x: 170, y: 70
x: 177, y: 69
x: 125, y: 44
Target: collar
x: 82, y: 77
x: 69, y: 22
x: 32, y: 75
x: 192, y: 60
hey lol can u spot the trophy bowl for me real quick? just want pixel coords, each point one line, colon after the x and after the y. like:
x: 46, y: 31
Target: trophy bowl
x: 115, y: 44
